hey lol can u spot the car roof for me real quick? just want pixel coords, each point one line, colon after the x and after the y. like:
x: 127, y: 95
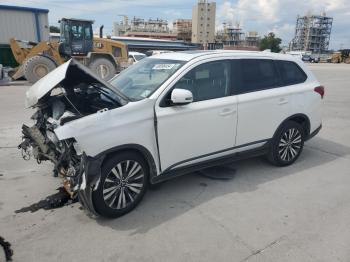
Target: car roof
x: 189, y: 55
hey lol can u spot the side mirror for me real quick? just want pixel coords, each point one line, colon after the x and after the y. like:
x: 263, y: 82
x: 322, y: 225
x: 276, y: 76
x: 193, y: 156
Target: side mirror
x: 181, y: 96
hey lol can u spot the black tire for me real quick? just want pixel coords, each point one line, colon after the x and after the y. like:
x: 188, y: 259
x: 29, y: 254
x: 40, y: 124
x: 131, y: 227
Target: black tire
x: 103, y: 67
x: 37, y: 67
x: 115, y: 197
x: 287, y: 144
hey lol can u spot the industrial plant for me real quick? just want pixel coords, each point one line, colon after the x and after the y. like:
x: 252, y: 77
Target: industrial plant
x: 233, y: 37
x: 312, y: 33
x: 139, y: 27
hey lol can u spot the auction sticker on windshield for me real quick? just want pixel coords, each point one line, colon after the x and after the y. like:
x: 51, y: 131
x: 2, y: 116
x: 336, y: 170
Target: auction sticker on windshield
x: 163, y: 66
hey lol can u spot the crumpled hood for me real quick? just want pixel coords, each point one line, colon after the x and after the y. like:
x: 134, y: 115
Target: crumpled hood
x: 55, y: 77
x: 46, y: 84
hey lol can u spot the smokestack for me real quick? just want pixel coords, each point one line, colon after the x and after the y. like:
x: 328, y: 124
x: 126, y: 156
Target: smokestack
x: 101, y: 31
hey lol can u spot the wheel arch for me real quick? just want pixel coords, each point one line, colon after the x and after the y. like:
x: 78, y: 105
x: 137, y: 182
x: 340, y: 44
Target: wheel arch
x: 301, y: 119
x: 138, y: 149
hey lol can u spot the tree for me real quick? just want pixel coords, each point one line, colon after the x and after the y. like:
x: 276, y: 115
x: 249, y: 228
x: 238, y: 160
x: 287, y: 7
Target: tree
x: 54, y: 29
x: 272, y: 42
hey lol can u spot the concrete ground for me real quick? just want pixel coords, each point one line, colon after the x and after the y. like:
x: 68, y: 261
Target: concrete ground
x: 297, y: 213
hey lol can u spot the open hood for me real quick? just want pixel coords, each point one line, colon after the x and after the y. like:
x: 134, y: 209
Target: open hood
x: 71, y: 73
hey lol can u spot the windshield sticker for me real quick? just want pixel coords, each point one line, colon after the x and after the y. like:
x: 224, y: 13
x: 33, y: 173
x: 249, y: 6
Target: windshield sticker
x: 163, y: 66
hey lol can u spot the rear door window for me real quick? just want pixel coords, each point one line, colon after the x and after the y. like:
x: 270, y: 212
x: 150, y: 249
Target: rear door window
x: 257, y: 74
x: 291, y: 73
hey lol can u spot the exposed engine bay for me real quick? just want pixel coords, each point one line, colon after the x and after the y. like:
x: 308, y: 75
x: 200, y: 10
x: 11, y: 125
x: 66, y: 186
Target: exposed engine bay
x: 78, y: 94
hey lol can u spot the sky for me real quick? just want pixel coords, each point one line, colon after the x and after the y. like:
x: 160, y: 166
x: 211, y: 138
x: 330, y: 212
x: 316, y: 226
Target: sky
x: 263, y: 16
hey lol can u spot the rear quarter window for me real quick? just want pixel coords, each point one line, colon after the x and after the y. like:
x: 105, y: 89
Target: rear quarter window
x: 291, y: 73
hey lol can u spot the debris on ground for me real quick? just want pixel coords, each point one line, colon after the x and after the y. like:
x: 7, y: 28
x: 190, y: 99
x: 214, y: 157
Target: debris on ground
x: 57, y: 200
x: 7, y: 249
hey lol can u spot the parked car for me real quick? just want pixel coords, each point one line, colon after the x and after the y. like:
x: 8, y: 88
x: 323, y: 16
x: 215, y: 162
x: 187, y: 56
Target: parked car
x: 169, y: 115
x: 306, y: 58
x: 310, y: 58
x: 315, y: 59
x: 136, y: 56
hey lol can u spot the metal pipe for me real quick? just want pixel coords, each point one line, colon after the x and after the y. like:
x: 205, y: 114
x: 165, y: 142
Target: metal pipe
x: 101, y: 31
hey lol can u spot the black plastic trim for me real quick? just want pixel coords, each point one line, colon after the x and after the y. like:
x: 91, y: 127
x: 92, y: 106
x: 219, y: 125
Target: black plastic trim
x: 214, y: 153
x: 90, y: 173
x: 314, y: 133
x: 141, y: 149
x: 211, y: 162
x: 156, y: 136
x: 307, y: 133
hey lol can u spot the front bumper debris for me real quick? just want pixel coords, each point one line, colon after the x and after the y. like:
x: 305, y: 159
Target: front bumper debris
x: 90, y: 174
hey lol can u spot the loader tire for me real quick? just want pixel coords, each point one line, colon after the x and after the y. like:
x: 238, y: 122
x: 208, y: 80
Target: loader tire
x: 103, y: 68
x: 37, y: 67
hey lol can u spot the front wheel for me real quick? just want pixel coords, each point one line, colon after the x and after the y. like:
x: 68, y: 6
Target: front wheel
x: 287, y: 144
x: 37, y: 67
x: 124, y: 181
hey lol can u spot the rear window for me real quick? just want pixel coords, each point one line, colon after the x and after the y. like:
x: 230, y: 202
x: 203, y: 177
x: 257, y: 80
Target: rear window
x: 291, y: 73
x: 258, y: 74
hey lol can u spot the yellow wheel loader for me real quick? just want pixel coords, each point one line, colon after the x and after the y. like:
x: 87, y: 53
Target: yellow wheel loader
x: 103, y: 56
x: 342, y: 56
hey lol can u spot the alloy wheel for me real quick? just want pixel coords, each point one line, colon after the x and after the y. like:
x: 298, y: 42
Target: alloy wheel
x: 290, y: 145
x: 123, y: 184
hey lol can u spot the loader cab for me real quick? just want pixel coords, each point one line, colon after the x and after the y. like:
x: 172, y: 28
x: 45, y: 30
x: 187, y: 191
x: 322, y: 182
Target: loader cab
x: 76, y: 37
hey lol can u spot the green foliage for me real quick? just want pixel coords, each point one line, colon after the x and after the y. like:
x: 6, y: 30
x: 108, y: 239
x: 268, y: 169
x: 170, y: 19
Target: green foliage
x: 272, y: 42
x: 54, y: 29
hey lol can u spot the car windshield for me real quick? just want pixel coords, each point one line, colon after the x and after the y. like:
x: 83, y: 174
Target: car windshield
x: 143, y: 78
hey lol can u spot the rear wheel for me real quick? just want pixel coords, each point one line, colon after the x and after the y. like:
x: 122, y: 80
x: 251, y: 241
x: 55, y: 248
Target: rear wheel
x: 287, y: 144
x: 103, y: 67
x: 37, y: 67
x: 124, y: 181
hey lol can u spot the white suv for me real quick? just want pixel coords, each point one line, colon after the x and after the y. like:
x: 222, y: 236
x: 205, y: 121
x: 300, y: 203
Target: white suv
x: 166, y: 116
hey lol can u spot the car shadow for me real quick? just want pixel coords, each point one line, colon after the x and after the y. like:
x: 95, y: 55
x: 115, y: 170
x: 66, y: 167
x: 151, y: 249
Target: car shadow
x: 178, y: 196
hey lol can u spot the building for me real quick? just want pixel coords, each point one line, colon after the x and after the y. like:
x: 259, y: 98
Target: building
x: 138, y: 27
x: 22, y: 23
x: 234, y: 38
x: 203, y: 22
x: 31, y: 24
x: 252, y: 39
x: 183, y: 29
x: 312, y: 33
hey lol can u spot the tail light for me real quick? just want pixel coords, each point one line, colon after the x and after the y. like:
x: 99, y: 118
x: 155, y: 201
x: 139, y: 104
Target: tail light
x: 320, y: 90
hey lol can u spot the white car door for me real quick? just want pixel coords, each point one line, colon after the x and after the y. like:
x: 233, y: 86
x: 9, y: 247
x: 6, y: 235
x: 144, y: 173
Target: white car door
x: 203, y: 129
x: 263, y: 104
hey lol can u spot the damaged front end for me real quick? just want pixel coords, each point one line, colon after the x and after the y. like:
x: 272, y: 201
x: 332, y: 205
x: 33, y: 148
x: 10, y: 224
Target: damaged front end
x: 67, y: 94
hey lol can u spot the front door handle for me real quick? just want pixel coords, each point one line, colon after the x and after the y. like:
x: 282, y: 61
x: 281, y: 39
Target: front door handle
x: 227, y: 111
x: 282, y: 101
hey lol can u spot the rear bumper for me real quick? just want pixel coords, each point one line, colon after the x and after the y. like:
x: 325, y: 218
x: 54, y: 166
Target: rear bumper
x: 314, y: 133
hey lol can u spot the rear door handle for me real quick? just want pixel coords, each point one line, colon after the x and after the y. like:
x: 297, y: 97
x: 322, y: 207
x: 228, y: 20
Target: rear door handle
x: 227, y: 111
x: 282, y: 101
